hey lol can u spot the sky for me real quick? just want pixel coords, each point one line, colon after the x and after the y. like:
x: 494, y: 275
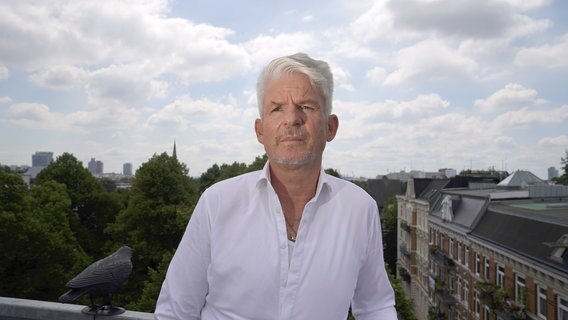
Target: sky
x: 419, y: 84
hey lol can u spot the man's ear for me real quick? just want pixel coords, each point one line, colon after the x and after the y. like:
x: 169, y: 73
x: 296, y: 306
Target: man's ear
x: 332, y: 126
x: 258, y: 130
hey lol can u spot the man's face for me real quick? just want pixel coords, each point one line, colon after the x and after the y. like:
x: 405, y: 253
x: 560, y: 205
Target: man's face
x: 293, y: 127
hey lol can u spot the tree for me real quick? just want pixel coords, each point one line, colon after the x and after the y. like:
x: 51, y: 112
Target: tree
x: 258, y: 163
x: 563, y: 179
x: 333, y: 172
x: 38, y: 251
x: 389, y: 225
x: 153, y: 284
x: 89, y: 201
x: 160, y: 204
x: 218, y: 173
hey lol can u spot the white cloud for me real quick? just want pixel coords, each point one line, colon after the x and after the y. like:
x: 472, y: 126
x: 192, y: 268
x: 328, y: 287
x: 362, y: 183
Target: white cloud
x: 307, y: 18
x: 40, y: 116
x: 264, y: 48
x: 124, y: 84
x: 526, y: 117
x: 411, y: 19
x: 4, y: 72
x: 525, y: 4
x: 431, y: 60
x: 59, y: 77
x: 90, y: 33
x: 548, y: 56
x: 341, y: 78
x: 559, y: 141
x: 505, y: 142
x: 376, y: 75
x: 374, y: 23
x: 5, y: 100
x: 513, y: 96
x: 186, y: 113
x: 363, y: 119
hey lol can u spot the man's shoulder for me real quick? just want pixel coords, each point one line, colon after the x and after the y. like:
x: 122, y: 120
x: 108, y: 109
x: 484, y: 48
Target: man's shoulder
x: 240, y: 182
x: 349, y: 189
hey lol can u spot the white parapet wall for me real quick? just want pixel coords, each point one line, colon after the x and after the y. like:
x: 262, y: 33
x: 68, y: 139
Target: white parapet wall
x: 22, y: 309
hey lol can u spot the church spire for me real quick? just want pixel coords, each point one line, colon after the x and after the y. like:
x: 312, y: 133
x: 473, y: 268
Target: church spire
x: 174, y: 154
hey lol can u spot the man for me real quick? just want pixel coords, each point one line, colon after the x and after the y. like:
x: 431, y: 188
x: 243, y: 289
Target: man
x: 289, y: 241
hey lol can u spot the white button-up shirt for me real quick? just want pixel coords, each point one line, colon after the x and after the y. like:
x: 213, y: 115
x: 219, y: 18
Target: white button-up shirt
x: 233, y: 261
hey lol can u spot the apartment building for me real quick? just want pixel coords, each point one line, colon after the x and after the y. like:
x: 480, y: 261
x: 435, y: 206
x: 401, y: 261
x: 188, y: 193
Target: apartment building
x: 491, y: 253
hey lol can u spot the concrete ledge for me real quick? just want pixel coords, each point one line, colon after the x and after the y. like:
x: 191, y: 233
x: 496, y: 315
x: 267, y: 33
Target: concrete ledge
x: 22, y: 309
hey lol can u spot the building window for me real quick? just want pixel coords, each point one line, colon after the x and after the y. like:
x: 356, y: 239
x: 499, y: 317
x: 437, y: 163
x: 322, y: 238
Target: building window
x: 465, y: 299
x: 562, y: 308
x: 541, y: 302
x: 486, y: 269
x: 451, y: 248
x: 477, y: 263
x: 476, y: 303
x: 486, y: 313
x: 460, y: 253
x: 466, y: 257
x: 520, y: 289
x: 500, y: 275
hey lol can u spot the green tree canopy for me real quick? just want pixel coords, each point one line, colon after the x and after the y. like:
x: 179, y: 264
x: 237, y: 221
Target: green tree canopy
x: 160, y: 204
x: 563, y: 179
x: 94, y: 206
x: 38, y: 251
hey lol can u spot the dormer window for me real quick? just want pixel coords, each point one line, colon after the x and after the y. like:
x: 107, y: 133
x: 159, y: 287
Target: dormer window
x: 559, y: 252
x: 447, y: 212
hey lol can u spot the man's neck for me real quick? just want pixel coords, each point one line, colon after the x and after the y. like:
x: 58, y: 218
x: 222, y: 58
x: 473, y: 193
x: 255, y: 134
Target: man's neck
x: 294, y: 187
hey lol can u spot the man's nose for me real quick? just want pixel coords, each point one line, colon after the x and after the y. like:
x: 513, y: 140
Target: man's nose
x: 294, y: 116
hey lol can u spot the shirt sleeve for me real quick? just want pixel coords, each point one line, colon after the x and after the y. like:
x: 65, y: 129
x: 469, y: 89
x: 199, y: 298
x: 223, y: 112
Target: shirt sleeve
x: 374, y: 296
x: 185, y: 287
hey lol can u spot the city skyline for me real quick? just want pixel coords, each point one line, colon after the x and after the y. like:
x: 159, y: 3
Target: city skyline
x: 418, y: 84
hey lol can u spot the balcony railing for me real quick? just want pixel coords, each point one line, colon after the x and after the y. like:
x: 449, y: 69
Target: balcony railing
x: 22, y: 309
x: 404, y: 250
x: 441, y: 258
x: 405, y: 226
x: 445, y: 296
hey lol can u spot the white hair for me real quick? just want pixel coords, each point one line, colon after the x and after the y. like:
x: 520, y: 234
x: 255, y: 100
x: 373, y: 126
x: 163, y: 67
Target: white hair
x: 316, y: 70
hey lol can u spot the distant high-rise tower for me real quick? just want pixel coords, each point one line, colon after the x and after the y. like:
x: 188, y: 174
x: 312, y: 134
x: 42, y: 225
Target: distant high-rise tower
x: 174, y: 153
x: 42, y: 159
x: 552, y: 173
x: 96, y: 167
x: 127, y: 169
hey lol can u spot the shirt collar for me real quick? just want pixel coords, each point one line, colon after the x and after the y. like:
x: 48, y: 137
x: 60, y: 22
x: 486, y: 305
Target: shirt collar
x: 323, y: 181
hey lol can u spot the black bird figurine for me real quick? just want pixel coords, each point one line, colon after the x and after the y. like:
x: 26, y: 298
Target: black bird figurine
x: 101, y: 278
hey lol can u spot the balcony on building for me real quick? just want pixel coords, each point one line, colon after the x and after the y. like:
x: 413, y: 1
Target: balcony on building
x: 405, y: 226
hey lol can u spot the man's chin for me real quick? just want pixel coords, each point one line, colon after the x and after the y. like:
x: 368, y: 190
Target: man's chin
x: 295, y: 161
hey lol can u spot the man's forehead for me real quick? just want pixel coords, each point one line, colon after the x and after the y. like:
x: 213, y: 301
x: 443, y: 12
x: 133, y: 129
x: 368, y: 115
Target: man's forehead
x: 295, y: 83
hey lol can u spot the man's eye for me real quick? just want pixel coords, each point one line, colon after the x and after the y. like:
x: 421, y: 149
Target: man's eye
x: 306, y: 107
x: 276, y: 108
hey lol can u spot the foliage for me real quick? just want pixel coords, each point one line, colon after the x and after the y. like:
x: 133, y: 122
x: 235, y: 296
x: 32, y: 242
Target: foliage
x: 333, y: 172
x: 491, y: 295
x: 390, y: 240
x: 489, y: 173
x: 38, y: 251
x: 152, y: 286
x: 403, y: 304
x: 563, y: 179
x: 89, y: 201
x: 159, y: 207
